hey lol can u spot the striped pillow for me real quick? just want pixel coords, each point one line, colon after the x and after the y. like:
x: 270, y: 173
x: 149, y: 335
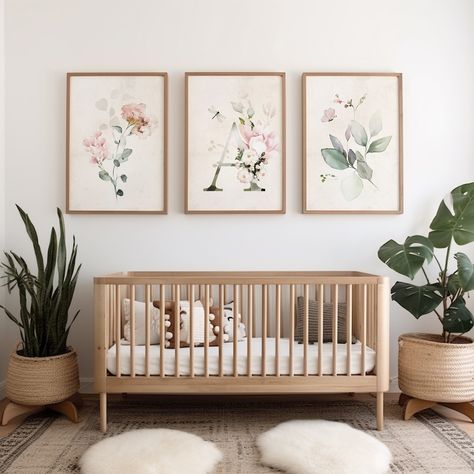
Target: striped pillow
x: 313, y: 321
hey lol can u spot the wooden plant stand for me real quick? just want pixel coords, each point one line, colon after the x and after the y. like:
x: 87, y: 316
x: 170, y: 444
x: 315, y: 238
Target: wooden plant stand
x: 67, y: 408
x: 414, y: 405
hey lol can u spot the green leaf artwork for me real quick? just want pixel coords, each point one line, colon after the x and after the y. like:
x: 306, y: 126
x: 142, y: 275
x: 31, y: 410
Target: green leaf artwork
x: 352, y: 163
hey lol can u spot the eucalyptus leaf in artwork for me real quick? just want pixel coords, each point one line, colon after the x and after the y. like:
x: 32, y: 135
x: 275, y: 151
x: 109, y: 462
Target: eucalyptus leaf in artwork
x: 104, y: 175
x: 359, y: 133
x: 458, y: 318
x: 347, y: 133
x: 120, y: 192
x: 334, y: 158
x: 456, y: 221
x: 337, y: 144
x: 116, y: 163
x: 351, y: 156
x: 465, y: 271
x: 377, y: 146
x: 118, y: 128
x: 364, y: 170
x: 359, y: 156
x: 126, y: 153
x: 241, y: 120
x: 123, y: 177
x: 407, y: 258
x: 351, y: 186
x: 375, y: 124
x: 418, y: 300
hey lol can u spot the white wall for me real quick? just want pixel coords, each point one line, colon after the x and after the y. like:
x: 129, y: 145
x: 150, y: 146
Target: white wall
x: 430, y: 41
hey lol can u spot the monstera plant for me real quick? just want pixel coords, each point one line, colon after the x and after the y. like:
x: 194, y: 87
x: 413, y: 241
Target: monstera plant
x: 445, y: 294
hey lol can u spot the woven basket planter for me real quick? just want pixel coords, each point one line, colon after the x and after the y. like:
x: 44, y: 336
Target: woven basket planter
x: 431, y: 369
x: 42, y: 380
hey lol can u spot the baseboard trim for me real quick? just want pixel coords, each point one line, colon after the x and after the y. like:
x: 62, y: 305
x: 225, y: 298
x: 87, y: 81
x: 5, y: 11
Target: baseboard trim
x: 86, y: 385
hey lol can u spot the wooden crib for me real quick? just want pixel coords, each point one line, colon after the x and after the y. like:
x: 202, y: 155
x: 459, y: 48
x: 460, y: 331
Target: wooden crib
x: 268, y: 360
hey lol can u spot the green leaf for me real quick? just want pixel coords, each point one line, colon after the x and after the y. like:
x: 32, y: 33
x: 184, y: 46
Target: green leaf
x: 334, y: 158
x: 119, y: 192
x: 104, y: 175
x: 456, y: 223
x: 351, y: 157
x: 117, y: 163
x: 125, y: 154
x: 377, y: 146
x: 407, y: 259
x: 359, y: 156
x: 465, y: 271
x: 375, y: 124
x: 241, y: 120
x: 351, y: 186
x: 124, y: 178
x: 454, y: 284
x: 359, y: 133
x: 336, y: 144
x: 418, y: 300
x: 118, y: 128
x: 364, y: 170
x: 458, y: 318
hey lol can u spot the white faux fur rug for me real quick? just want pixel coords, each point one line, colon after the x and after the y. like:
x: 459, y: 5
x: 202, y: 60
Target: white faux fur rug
x: 316, y: 446
x: 151, y: 451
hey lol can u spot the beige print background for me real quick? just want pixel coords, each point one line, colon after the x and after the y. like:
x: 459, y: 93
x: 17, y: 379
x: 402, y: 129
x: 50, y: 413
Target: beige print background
x: 219, y: 91
x: 144, y: 169
x: 382, y: 95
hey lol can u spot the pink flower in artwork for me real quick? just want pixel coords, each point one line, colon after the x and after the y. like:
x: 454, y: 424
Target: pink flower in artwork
x: 135, y: 115
x: 244, y: 175
x: 96, y: 145
x: 329, y: 115
x: 259, y: 139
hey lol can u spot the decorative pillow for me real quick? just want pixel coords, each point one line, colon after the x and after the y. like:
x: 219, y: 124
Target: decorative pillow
x: 184, y: 324
x: 140, y: 323
x: 225, y: 323
x: 313, y: 333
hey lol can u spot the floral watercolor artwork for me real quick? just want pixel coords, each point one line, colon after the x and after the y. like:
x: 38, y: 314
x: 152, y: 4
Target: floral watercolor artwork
x: 116, y: 143
x: 235, y: 143
x: 352, y: 143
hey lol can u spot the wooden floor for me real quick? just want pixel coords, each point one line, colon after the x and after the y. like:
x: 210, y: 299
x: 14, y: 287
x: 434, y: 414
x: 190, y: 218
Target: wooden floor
x: 463, y: 422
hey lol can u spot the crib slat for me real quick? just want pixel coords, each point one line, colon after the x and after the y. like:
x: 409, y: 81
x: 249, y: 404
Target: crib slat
x: 132, y: 330
x: 177, y: 329
x: 250, y: 292
x: 190, y: 291
x: 111, y: 317
x: 163, y: 329
x: 292, y: 328
x: 206, y: 331
x: 364, y: 329
x: 349, y: 330
x: 305, y: 329
x: 277, y: 330
x: 118, y: 327
x: 320, y: 328
x: 220, y: 334
x: 147, y: 330
x: 236, y: 328
x: 264, y: 328
x: 334, y: 299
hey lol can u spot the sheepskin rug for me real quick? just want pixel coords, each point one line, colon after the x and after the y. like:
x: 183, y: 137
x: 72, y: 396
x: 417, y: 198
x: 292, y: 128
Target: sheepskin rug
x: 317, y: 446
x: 150, y: 451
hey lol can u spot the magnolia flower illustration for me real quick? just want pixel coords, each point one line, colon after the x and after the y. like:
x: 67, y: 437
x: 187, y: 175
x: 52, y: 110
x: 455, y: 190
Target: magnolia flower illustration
x: 137, y: 124
x: 328, y: 115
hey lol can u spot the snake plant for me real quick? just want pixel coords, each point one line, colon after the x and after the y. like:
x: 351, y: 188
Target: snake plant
x: 45, y: 295
x: 445, y: 294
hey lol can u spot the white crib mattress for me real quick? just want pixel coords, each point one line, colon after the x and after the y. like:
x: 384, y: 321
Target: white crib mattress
x: 213, y: 359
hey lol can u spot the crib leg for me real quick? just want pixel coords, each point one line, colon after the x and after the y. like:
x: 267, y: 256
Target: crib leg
x: 103, y: 412
x: 379, y: 411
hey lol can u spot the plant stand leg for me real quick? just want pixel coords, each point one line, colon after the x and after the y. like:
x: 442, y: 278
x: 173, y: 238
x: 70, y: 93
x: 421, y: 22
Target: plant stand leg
x: 12, y: 410
x: 66, y: 408
x: 403, y: 399
x: 415, y: 405
x: 466, y: 408
x: 379, y: 411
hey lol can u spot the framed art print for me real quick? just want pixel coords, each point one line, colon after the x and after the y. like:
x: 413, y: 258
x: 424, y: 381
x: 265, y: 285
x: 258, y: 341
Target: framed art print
x: 235, y: 143
x: 116, y: 143
x: 352, y: 143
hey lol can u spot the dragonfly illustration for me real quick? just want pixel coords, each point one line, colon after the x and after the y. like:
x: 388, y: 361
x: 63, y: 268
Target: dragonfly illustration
x: 216, y: 114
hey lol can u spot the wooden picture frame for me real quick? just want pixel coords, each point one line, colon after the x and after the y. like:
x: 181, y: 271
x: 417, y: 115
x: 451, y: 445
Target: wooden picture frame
x: 111, y: 118
x: 224, y: 112
x: 337, y: 177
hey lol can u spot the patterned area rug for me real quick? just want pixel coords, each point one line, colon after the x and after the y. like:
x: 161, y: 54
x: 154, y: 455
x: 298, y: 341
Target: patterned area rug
x: 48, y: 444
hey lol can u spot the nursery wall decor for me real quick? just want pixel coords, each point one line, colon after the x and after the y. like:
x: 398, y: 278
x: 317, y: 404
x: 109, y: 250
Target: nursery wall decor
x: 352, y: 143
x: 235, y: 142
x: 116, y: 143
